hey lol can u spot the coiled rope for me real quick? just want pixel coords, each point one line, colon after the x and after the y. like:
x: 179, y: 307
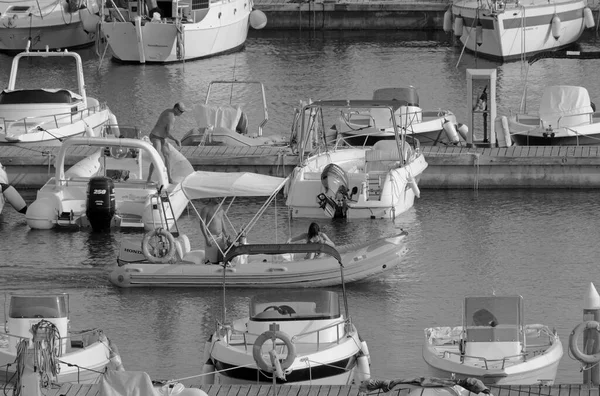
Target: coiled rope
x: 46, y: 350
x: 20, y: 362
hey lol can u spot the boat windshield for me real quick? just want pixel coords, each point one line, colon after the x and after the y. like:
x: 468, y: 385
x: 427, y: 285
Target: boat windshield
x: 54, y: 306
x: 295, y: 305
x: 492, y: 317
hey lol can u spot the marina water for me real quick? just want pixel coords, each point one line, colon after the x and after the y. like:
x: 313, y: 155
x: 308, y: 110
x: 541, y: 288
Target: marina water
x: 541, y: 244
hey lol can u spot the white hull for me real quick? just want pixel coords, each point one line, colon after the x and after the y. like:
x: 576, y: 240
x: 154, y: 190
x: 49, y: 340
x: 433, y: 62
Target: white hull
x: 382, y: 193
x: 224, y: 28
x: 519, y: 30
x: 63, y: 200
x: 58, y: 29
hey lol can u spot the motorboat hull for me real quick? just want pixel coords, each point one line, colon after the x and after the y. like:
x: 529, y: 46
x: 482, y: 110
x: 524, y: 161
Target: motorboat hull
x: 361, y: 261
x: 429, y: 131
x: 383, y: 193
x: 224, y: 28
x: 518, y: 31
x: 58, y: 29
x: 63, y: 202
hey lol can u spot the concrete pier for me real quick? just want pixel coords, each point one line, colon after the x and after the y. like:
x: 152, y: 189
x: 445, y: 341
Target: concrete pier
x: 533, y: 167
x: 353, y: 14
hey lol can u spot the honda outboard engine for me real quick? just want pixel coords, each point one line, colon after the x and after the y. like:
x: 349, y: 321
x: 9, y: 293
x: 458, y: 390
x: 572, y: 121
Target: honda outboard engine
x: 333, y: 201
x: 100, y: 202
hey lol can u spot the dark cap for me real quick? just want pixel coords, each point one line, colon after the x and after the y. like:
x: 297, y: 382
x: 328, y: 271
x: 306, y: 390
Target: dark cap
x: 180, y: 106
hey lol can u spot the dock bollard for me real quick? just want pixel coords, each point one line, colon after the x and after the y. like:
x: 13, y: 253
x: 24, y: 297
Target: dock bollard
x: 591, y: 337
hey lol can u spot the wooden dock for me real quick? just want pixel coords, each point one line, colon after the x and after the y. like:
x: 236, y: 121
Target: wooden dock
x: 330, y: 390
x: 449, y: 166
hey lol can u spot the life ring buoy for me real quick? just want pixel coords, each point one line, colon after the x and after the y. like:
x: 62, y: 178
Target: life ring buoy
x: 574, y: 336
x: 273, y: 335
x: 170, y: 240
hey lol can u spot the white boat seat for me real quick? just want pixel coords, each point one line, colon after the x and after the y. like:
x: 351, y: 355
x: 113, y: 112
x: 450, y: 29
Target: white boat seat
x: 407, y: 115
x: 564, y: 106
x: 382, y: 118
x: 492, y: 350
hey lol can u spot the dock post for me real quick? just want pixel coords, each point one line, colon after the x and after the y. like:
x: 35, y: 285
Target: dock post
x: 591, y: 337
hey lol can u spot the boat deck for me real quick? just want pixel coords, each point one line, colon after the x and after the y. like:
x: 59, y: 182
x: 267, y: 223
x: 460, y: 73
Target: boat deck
x: 331, y: 390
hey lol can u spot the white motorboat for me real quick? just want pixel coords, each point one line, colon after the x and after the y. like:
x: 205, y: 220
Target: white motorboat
x: 53, y: 24
x: 47, y: 116
x: 430, y: 126
x: 566, y: 115
x: 510, y: 30
x: 178, y: 30
x: 291, y: 337
x: 38, y: 332
x: 494, y: 345
x: 10, y: 194
x: 164, y: 259
x: 219, y: 124
x: 339, y: 181
x: 109, y: 188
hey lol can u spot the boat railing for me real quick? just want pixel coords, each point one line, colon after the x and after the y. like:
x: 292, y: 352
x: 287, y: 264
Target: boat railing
x: 225, y: 330
x: 81, y: 338
x: 55, y: 119
x: 485, y: 361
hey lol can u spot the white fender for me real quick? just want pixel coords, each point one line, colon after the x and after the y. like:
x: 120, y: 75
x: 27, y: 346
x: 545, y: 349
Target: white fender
x: 448, y: 20
x: 13, y: 197
x: 365, y: 350
x: 502, y: 132
x: 363, y: 371
x: 451, y: 132
x: 258, y: 19
x: 41, y: 214
x: 556, y: 27
x: 463, y: 131
x: 588, y: 17
x: 413, y: 184
x: 113, y: 125
x: 89, y: 132
x: 89, y: 19
x: 458, y: 26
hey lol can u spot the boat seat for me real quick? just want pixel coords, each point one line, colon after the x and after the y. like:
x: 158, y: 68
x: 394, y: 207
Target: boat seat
x: 408, y: 115
x: 492, y: 342
x: 382, y: 118
x: 492, y: 350
x: 36, y: 96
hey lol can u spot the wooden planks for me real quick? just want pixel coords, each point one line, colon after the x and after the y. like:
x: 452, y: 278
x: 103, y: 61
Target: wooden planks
x: 336, y: 390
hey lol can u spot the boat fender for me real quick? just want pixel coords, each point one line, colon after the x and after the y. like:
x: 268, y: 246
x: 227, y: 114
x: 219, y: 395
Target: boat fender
x: 574, y: 337
x: 363, y: 370
x: 273, y: 335
x: 588, y: 17
x: 167, y: 249
x: 13, y: 197
x: 412, y: 183
x: 503, y: 135
x: 113, y: 126
x: 258, y: 19
x: 458, y: 26
x: 463, y: 130
x: 451, y: 132
x: 555, y: 27
x: 114, y: 356
x: 448, y: 20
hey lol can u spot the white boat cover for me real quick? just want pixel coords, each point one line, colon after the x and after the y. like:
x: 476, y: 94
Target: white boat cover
x: 217, y: 116
x: 564, y: 100
x: 201, y: 184
x: 126, y: 383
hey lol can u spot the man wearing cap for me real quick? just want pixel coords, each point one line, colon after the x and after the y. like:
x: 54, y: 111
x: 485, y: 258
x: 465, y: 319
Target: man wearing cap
x: 163, y: 130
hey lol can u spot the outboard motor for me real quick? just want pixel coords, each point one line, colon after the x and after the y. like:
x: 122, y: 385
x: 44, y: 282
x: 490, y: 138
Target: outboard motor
x: 333, y: 201
x: 100, y: 202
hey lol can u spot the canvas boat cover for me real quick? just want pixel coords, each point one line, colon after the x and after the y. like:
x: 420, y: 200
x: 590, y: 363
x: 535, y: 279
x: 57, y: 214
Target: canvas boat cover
x: 201, y: 184
x: 564, y: 100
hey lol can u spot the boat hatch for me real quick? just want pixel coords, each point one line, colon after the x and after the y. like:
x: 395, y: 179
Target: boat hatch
x: 55, y: 306
x: 18, y: 9
x: 295, y: 305
x: 494, y: 318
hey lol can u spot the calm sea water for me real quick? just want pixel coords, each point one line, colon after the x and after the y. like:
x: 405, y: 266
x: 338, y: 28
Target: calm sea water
x: 540, y: 244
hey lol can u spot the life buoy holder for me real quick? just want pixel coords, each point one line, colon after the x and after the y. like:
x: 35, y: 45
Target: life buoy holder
x: 165, y: 238
x: 574, y: 337
x: 273, y: 335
